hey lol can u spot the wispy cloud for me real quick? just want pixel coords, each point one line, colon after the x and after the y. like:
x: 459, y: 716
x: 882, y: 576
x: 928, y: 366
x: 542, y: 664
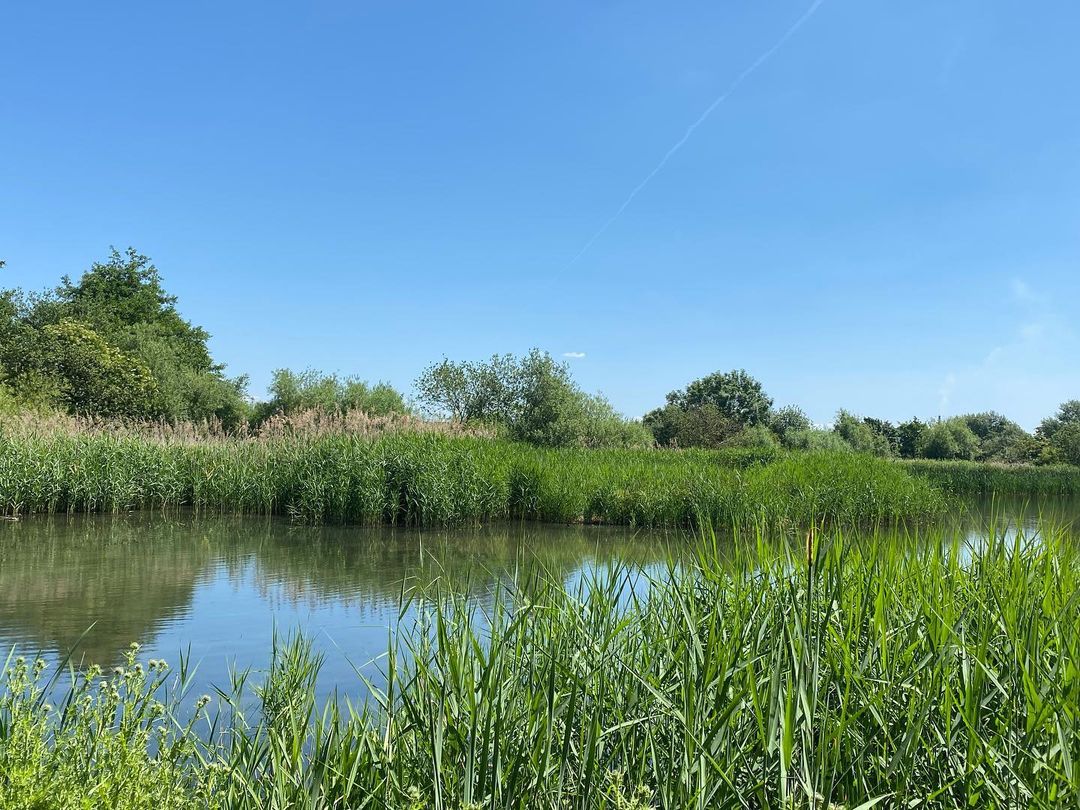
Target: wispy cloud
x: 1031, y: 367
x: 574, y: 355
x: 761, y: 60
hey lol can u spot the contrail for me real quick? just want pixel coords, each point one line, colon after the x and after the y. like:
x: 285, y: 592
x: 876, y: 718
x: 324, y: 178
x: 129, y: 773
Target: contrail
x: 761, y: 60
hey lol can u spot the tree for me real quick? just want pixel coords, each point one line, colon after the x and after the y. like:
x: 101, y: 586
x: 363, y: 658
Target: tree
x: 861, y: 436
x: 1000, y: 439
x: 703, y: 426
x: 710, y: 411
x: 122, y: 303
x: 735, y: 394
x: 293, y: 391
x: 1061, y: 433
x: 908, y: 436
x: 532, y: 398
x: 787, y: 421
x: 96, y: 378
x: 886, y: 430
x: 948, y: 439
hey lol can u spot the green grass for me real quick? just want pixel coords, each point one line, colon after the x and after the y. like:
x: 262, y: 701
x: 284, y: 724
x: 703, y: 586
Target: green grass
x: 433, y: 479
x: 974, y: 478
x: 906, y: 671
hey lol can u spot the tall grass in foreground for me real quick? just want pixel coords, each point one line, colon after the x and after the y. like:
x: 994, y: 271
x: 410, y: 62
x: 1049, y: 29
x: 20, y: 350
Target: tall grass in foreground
x: 434, y: 479
x: 850, y: 674
x: 971, y: 478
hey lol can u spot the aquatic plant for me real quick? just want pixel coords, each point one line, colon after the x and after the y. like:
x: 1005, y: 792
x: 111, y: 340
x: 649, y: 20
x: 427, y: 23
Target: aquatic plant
x: 891, y: 670
x: 971, y: 478
x: 437, y: 479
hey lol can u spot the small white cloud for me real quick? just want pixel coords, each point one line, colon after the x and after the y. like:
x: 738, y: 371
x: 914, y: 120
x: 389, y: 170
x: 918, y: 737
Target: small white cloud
x: 574, y: 355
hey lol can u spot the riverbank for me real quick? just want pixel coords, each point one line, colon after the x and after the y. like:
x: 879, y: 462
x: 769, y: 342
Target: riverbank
x: 973, y: 478
x: 431, y: 479
x: 866, y: 673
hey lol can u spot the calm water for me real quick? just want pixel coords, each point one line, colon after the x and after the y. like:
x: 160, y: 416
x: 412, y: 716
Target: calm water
x: 221, y: 587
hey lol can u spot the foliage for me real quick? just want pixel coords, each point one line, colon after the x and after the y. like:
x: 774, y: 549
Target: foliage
x: 533, y: 398
x: 1061, y: 433
x: 860, y: 435
x: 735, y: 394
x: 93, y: 377
x: 115, y: 328
x: 1000, y: 439
x: 757, y: 436
x: 787, y: 421
x: 897, y: 670
x: 111, y: 743
x: 292, y: 392
x: 908, y: 436
x: 818, y: 439
x: 703, y: 426
x: 711, y: 411
x: 948, y: 439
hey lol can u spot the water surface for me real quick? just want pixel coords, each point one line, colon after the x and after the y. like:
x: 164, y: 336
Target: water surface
x: 221, y: 587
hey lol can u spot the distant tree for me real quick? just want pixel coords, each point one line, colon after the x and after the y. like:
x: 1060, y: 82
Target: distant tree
x: 122, y: 304
x: 703, y: 426
x: 1000, y: 439
x: 710, y: 411
x: 948, y: 439
x: 533, y: 398
x: 1066, y: 443
x: 789, y: 420
x: 1061, y: 433
x: 887, y: 431
x: 860, y: 436
x: 758, y: 436
x: 294, y: 391
x: 908, y: 436
x: 817, y: 439
x: 735, y: 394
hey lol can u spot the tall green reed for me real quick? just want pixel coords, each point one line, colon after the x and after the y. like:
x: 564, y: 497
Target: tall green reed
x: 852, y: 671
x: 434, y: 479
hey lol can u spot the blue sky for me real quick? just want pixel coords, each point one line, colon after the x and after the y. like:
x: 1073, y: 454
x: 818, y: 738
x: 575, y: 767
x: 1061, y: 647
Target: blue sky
x: 882, y: 216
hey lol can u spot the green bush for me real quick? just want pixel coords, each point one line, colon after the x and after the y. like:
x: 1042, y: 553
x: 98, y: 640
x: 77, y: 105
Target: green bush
x: 861, y: 435
x: 532, y: 399
x: 946, y: 440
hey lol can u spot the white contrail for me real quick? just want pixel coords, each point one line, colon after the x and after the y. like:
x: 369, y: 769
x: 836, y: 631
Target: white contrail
x: 761, y: 60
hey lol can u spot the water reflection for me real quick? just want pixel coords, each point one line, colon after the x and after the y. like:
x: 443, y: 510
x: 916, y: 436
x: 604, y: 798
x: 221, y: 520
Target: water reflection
x: 222, y: 586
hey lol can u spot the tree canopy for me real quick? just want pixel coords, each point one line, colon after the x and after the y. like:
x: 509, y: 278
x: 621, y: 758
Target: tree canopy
x: 533, y: 398
x: 113, y: 343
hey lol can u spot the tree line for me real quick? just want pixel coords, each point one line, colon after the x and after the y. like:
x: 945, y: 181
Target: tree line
x: 114, y: 344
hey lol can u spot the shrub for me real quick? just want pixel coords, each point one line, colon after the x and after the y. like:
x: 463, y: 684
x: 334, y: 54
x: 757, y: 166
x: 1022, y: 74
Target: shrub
x: 786, y: 421
x: 532, y: 398
x: 861, y: 436
x: 948, y: 439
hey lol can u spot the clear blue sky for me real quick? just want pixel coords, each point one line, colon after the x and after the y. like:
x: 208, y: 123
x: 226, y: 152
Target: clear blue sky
x: 883, y: 216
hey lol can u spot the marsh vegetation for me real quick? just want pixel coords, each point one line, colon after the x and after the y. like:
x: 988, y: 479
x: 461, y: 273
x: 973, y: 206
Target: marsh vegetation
x: 846, y: 671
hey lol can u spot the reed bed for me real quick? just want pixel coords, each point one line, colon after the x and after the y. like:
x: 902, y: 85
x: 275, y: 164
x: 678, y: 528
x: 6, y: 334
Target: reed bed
x: 438, y: 479
x: 888, y: 671
x: 972, y: 478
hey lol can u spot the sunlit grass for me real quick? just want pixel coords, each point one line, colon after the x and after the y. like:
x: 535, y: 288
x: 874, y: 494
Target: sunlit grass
x: 434, y: 479
x: 971, y: 478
